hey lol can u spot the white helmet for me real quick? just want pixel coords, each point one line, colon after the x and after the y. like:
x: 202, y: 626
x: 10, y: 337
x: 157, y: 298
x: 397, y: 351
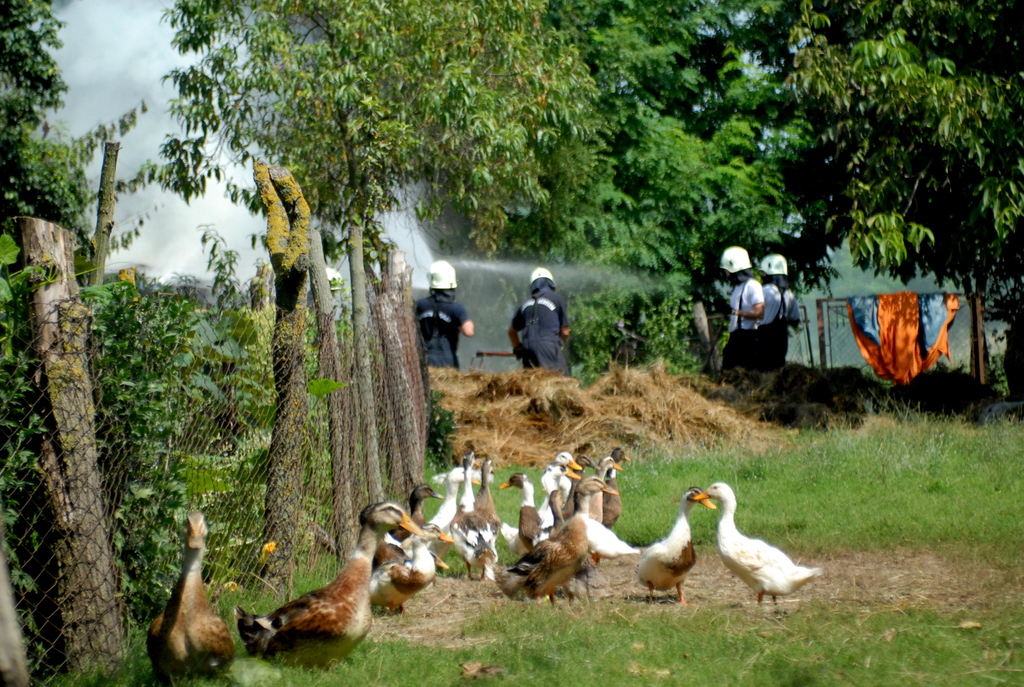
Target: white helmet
x: 774, y: 264
x: 541, y: 272
x: 442, y: 275
x: 735, y: 259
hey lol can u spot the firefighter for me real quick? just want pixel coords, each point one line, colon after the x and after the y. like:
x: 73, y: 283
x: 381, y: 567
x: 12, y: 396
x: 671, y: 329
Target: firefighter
x: 441, y: 318
x: 780, y: 312
x: 544, y: 321
x: 747, y: 307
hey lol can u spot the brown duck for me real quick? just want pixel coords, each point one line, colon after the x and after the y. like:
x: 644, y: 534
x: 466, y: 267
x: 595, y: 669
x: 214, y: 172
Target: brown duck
x: 613, y: 503
x: 325, y: 625
x: 188, y: 638
x: 556, y: 560
x: 520, y: 541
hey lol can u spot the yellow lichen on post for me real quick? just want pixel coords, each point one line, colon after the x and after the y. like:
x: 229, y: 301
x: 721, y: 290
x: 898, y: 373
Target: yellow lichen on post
x: 278, y: 230
x: 298, y: 216
x: 127, y: 274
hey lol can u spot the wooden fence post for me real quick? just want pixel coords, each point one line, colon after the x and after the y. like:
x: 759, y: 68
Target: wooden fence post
x: 712, y: 361
x: 288, y: 242
x: 104, y: 212
x: 61, y: 323
x: 821, y: 334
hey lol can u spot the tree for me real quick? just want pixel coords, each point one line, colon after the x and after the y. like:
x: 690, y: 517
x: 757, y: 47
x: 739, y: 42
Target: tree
x: 362, y: 98
x: 925, y: 101
x: 42, y: 175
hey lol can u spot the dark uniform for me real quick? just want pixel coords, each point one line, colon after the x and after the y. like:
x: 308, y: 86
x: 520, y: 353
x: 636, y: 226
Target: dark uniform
x: 441, y: 319
x: 540, y: 319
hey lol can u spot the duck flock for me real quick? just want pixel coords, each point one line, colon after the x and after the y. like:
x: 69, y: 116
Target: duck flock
x: 560, y: 546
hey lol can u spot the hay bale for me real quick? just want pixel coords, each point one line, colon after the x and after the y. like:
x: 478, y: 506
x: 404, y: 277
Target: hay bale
x: 525, y: 417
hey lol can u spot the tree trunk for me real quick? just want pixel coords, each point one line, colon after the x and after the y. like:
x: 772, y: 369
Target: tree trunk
x: 363, y: 377
x: 288, y: 242
x: 712, y: 360
x: 261, y: 288
x: 13, y: 667
x: 329, y: 367
x: 87, y: 587
x: 104, y: 212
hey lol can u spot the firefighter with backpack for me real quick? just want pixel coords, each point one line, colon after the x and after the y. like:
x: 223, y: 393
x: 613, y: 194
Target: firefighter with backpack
x: 441, y: 319
x: 780, y: 312
x: 544, y: 321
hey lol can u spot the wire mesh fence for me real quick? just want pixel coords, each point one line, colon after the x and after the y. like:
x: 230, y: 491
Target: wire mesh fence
x: 123, y: 408
x: 837, y: 345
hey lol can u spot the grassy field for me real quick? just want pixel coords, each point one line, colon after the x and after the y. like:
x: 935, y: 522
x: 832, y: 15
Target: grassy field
x: 885, y: 497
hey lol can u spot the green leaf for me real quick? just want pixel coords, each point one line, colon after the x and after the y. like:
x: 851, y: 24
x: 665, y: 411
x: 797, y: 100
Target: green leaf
x: 8, y: 250
x: 5, y: 292
x: 322, y: 387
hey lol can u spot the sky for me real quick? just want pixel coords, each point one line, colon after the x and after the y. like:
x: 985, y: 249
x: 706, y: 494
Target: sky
x: 115, y: 55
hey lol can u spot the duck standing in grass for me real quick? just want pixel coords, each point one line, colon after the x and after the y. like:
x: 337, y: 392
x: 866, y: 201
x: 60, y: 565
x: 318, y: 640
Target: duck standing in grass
x: 765, y: 569
x: 325, y: 625
x: 476, y: 532
x: 556, y: 560
x: 397, y: 579
x: 188, y: 637
x: 449, y: 507
x: 520, y: 540
x: 612, y: 505
x: 665, y: 563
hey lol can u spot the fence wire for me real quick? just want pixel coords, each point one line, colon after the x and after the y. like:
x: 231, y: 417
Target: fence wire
x: 836, y: 339
x: 146, y: 406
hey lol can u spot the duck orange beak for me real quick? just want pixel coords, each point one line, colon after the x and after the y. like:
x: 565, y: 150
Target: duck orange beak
x: 609, y: 490
x: 506, y: 485
x: 574, y: 465
x: 705, y: 500
x: 573, y: 475
x: 408, y: 524
x: 441, y: 564
x: 446, y: 538
x: 474, y: 481
x: 616, y: 466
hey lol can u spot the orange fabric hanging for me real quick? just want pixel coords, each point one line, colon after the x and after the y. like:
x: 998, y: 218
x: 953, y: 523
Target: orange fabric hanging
x: 897, y: 356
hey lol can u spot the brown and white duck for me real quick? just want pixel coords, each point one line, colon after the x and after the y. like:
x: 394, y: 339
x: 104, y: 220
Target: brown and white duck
x: 188, y: 638
x: 664, y: 564
x: 612, y: 506
x: 325, y: 625
x: 520, y: 540
x: 396, y: 580
x: 474, y: 530
x: 556, y: 560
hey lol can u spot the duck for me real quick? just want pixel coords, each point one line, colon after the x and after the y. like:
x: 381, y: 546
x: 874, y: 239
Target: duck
x: 554, y: 562
x: 612, y: 506
x: 569, y: 506
x: 520, y: 540
x: 449, y: 507
x: 325, y: 625
x: 551, y: 510
x: 664, y: 564
x: 475, y: 532
x: 399, y: 578
x: 417, y: 497
x: 603, y: 542
x: 565, y: 459
x: 188, y: 638
x: 551, y: 480
x: 765, y: 568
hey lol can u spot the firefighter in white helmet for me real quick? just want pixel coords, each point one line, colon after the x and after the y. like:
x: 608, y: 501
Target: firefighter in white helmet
x: 747, y: 306
x: 441, y: 318
x: 780, y: 312
x: 544, y: 321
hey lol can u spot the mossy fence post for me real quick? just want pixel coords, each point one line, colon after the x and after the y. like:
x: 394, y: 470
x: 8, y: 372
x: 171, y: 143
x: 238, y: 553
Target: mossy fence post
x: 61, y: 325
x: 288, y: 243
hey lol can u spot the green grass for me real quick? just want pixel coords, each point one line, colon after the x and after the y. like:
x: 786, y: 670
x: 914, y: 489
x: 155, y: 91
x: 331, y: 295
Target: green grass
x: 927, y: 486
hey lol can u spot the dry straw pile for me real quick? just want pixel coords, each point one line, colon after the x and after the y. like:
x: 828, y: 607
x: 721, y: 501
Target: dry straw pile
x: 527, y: 416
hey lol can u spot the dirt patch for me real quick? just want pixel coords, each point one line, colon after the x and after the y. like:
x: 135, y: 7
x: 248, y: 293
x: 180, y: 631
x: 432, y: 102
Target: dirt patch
x: 527, y: 416
x: 875, y: 582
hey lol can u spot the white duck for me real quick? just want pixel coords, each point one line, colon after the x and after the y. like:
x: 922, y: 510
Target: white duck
x: 550, y: 482
x: 665, y: 563
x: 603, y: 542
x: 449, y: 507
x: 566, y: 460
x: 765, y: 569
